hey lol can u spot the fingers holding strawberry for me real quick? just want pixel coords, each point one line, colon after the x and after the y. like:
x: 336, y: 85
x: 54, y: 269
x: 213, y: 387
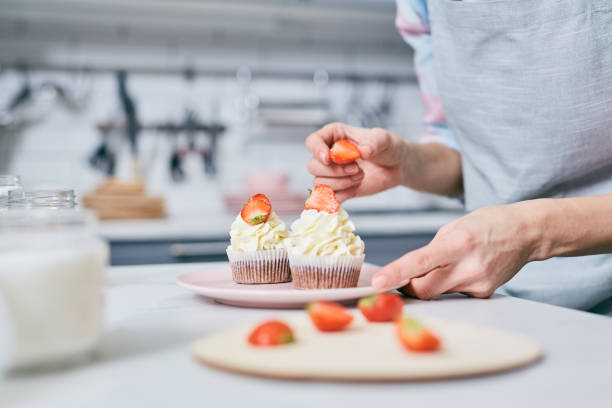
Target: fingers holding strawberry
x: 377, y: 145
x: 344, y: 151
x: 332, y: 170
x: 338, y: 177
x: 319, y: 142
x: 355, y: 161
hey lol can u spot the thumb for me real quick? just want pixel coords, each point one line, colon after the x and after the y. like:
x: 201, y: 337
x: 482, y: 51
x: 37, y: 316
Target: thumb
x: 373, y: 144
x: 412, y: 265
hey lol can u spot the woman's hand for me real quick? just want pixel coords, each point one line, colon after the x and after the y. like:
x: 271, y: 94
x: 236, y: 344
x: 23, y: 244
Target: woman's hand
x: 382, y: 154
x: 474, y: 254
x: 386, y: 161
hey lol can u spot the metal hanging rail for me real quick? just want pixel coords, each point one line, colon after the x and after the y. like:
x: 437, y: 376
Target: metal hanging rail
x: 256, y: 73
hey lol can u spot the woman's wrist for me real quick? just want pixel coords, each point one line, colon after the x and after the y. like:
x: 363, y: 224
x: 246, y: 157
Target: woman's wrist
x: 432, y: 168
x: 543, y: 223
x: 566, y: 226
x: 408, y: 163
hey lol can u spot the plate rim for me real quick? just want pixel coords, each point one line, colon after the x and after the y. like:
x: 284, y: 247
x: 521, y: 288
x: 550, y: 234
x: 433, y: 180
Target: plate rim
x: 281, y: 295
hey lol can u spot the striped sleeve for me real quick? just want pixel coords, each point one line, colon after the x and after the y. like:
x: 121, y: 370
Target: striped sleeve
x: 412, y: 22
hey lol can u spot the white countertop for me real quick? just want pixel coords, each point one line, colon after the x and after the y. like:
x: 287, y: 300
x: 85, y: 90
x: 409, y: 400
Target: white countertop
x: 192, y: 226
x: 144, y: 358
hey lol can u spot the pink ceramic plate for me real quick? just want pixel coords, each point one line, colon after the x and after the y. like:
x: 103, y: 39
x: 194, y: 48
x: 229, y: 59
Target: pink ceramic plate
x: 218, y: 285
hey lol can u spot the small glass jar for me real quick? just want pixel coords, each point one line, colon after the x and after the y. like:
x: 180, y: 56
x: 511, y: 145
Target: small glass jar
x: 50, y: 199
x: 8, y: 183
x: 51, y: 285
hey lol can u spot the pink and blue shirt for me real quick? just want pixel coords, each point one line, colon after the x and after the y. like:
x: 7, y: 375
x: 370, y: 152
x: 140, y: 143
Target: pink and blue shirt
x: 412, y: 22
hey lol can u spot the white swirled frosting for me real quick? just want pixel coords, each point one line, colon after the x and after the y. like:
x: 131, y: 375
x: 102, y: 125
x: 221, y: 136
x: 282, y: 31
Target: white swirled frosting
x: 323, y: 234
x: 267, y: 235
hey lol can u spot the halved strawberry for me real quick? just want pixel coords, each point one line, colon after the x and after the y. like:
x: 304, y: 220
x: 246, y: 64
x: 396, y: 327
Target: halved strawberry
x: 271, y: 333
x: 414, y: 336
x: 329, y: 316
x: 385, y: 307
x: 322, y: 198
x: 343, y: 152
x: 256, y: 210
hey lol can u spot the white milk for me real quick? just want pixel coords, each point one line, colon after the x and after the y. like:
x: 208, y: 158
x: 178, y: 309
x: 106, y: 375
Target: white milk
x: 6, y: 338
x: 55, y: 301
x: 52, y: 285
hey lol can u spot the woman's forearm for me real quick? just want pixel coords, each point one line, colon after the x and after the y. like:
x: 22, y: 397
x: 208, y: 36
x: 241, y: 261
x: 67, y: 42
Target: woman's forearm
x: 432, y: 168
x: 570, y: 226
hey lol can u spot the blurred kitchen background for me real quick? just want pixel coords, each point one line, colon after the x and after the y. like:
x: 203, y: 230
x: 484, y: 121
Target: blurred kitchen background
x: 208, y: 102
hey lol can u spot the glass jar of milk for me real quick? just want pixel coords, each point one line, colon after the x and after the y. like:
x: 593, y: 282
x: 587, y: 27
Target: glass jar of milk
x: 51, y: 283
x: 8, y: 182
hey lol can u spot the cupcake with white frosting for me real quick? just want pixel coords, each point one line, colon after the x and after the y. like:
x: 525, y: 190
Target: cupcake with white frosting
x: 323, y: 250
x: 257, y: 251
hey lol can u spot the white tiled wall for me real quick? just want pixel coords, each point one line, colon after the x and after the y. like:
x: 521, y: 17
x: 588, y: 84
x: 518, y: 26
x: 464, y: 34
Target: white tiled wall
x: 54, y: 151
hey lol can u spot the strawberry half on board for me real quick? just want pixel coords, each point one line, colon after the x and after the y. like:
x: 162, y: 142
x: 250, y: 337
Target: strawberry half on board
x: 415, y: 337
x: 256, y: 210
x: 322, y: 198
x: 329, y: 316
x: 384, y: 307
x: 343, y: 152
x: 271, y: 333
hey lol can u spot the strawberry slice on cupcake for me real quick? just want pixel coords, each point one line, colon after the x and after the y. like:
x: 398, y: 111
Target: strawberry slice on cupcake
x: 322, y: 198
x: 256, y: 210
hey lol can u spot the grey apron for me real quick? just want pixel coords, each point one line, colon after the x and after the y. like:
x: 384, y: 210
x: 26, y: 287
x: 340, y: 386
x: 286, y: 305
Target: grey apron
x: 526, y: 86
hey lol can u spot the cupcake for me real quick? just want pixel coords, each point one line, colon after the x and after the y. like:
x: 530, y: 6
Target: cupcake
x: 323, y: 251
x: 257, y: 252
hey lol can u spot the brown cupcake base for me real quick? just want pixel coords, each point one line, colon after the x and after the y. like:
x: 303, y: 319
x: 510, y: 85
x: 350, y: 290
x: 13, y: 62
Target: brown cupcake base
x: 317, y: 277
x: 251, y: 272
x: 265, y: 266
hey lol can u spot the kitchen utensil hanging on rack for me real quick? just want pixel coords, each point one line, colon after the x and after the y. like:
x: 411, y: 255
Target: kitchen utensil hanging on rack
x: 104, y: 157
x: 360, y: 113
x: 32, y: 102
x: 131, y: 121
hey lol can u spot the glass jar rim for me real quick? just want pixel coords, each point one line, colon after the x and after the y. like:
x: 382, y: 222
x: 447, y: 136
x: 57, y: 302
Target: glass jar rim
x: 37, y: 220
x: 10, y: 180
x: 42, y: 198
x: 60, y: 194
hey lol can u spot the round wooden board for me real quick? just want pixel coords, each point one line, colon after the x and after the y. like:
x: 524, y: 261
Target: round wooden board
x: 369, y: 352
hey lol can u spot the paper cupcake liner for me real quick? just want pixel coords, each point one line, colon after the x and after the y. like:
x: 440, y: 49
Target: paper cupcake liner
x: 268, y: 266
x: 325, y: 272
